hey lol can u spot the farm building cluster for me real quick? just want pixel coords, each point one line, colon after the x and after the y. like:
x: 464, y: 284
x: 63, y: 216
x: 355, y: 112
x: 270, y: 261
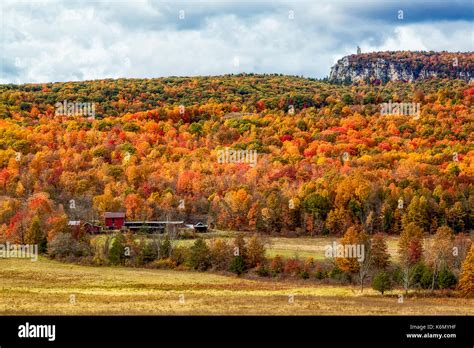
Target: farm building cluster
x: 118, y: 221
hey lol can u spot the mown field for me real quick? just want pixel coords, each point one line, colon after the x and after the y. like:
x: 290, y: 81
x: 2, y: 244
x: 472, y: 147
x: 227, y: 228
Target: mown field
x: 312, y: 247
x: 301, y: 247
x: 47, y: 287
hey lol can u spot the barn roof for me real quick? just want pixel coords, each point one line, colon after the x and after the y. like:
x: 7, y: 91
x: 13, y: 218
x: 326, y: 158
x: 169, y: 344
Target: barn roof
x: 109, y: 214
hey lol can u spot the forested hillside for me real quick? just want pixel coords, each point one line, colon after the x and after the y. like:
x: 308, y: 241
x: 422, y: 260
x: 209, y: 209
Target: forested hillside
x: 327, y: 157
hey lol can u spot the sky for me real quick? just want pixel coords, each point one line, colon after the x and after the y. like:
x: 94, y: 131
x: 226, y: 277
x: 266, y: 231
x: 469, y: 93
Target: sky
x: 74, y: 40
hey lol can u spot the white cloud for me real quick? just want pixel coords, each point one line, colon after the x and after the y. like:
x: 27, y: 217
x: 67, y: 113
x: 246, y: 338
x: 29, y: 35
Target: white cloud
x: 61, y: 41
x: 441, y: 36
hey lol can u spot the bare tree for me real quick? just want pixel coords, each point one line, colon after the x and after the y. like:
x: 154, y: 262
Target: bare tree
x: 440, y: 251
x: 366, y: 262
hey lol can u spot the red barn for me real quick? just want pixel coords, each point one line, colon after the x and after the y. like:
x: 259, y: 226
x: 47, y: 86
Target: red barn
x: 114, y: 221
x: 77, y: 227
x: 92, y: 228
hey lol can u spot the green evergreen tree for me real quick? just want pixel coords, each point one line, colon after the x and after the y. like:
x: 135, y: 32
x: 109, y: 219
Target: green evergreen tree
x: 237, y: 265
x: 116, y: 252
x: 446, y: 279
x: 382, y: 282
x: 200, y: 255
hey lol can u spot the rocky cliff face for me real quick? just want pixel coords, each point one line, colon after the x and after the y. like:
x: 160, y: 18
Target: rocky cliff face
x: 403, y: 66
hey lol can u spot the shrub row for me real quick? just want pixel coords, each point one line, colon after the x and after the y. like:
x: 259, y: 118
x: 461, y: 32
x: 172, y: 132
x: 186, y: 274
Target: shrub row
x: 237, y: 256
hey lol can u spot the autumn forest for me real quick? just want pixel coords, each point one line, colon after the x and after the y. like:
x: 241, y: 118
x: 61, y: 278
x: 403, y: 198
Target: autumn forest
x: 327, y: 158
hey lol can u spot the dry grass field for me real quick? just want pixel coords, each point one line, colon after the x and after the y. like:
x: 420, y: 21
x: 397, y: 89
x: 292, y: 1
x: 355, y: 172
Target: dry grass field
x: 48, y: 287
x: 301, y: 247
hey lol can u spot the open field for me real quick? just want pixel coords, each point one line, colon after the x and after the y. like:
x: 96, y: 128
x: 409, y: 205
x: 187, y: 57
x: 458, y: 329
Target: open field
x: 45, y: 287
x: 301, y: 247
x: 312, y: 247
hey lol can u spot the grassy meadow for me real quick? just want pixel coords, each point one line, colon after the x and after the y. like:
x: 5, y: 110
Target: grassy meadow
x: 48, y: 287
x: 301, y: 247
x: 312, y: 247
